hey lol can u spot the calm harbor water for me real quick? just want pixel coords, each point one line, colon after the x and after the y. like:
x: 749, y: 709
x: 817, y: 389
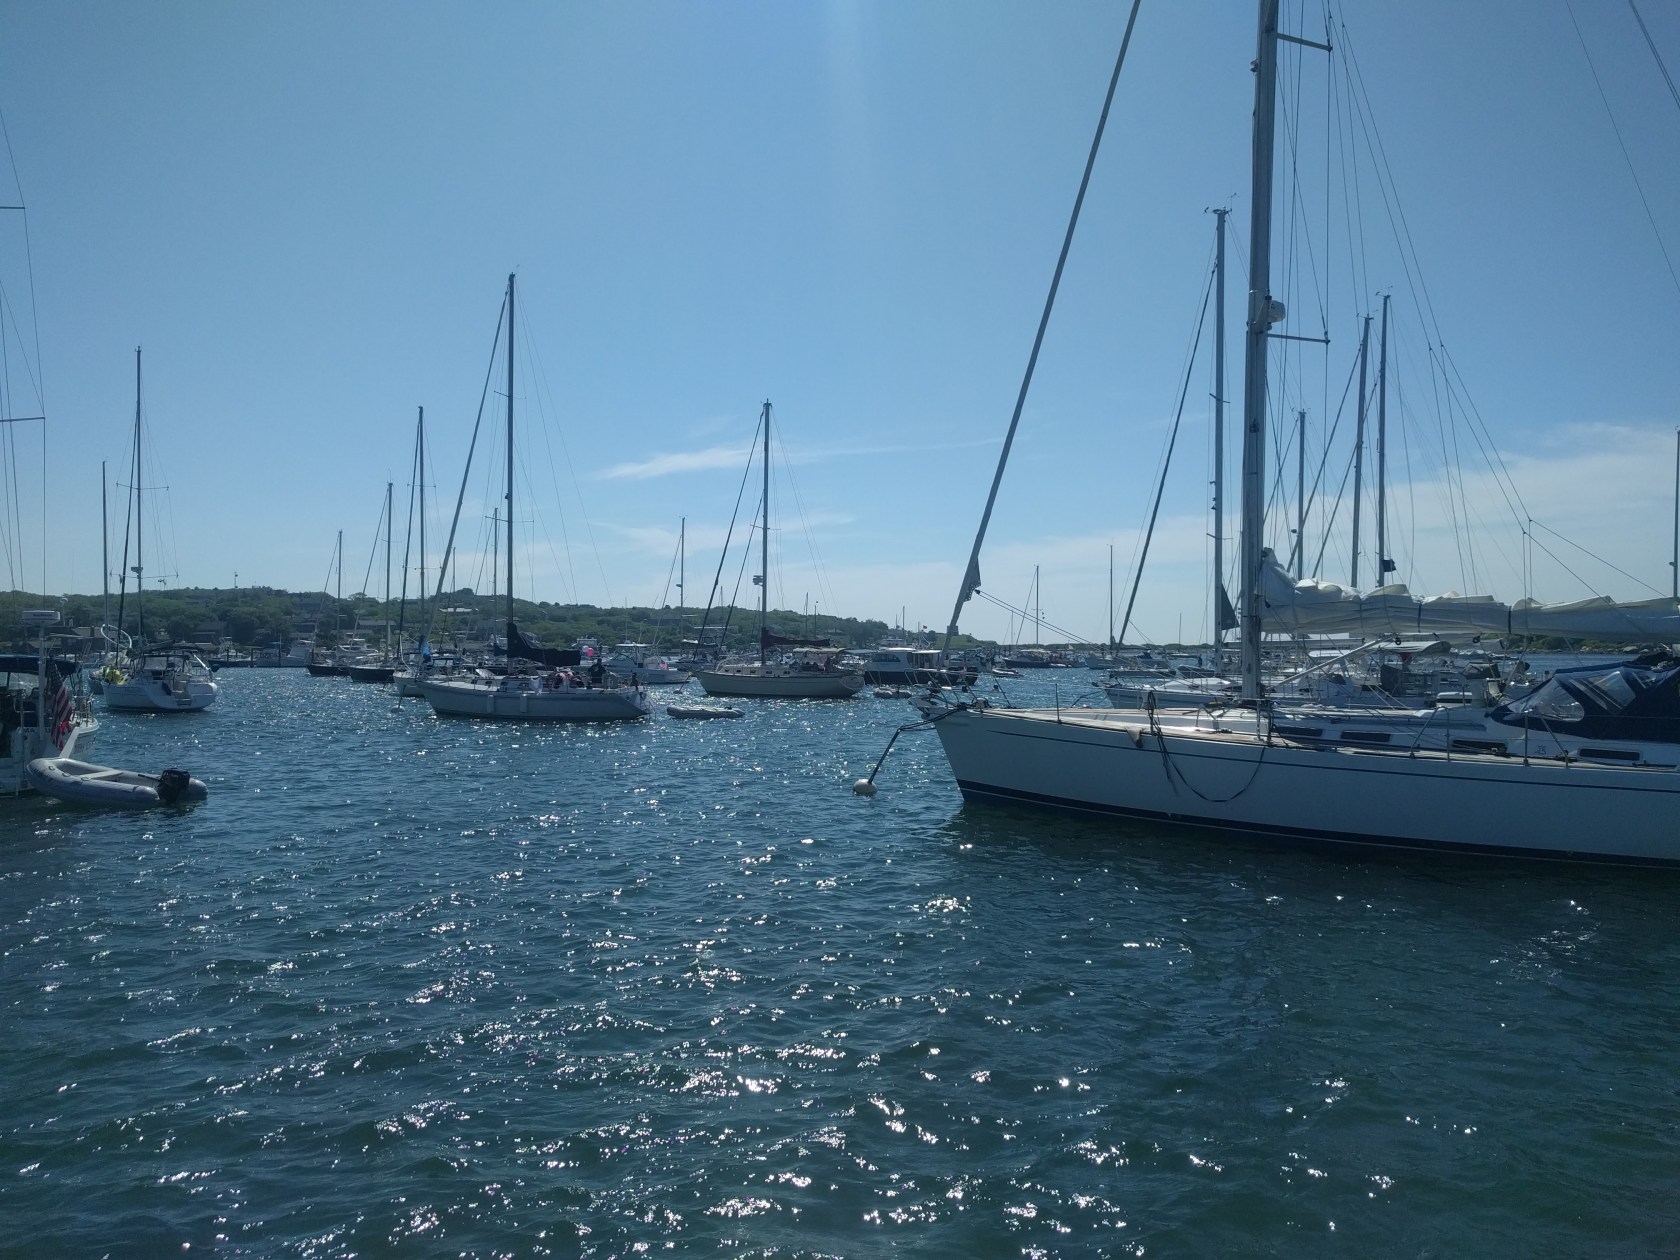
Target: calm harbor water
x: 407, y: 986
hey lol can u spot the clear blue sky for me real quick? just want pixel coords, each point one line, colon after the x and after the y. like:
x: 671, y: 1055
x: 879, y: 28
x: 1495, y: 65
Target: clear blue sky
x: 306, y: 214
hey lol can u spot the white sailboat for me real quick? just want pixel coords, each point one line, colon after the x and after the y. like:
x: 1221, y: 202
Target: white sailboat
x: 170, y: 679
x: 557, y: 695
x: 814, y: 675
x: 1246, y: 775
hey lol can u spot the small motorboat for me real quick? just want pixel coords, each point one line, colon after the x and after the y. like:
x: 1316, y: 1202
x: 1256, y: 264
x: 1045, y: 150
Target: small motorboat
x: 83, y: 783
x: 702, y: 711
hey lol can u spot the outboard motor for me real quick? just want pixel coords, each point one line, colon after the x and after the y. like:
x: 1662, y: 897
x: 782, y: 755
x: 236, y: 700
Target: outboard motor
x: 172, y: 785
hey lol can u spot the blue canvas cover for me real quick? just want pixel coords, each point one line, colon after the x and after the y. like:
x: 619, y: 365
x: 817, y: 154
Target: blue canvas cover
x: 1629, y: 701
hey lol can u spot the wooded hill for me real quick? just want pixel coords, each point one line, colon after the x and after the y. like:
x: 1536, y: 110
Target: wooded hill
x: 261, y: 616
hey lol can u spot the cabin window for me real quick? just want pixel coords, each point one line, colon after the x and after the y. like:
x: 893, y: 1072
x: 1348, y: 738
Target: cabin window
x: 1610, y: 689
x: 1552, y: 704
x: 1611, y: 754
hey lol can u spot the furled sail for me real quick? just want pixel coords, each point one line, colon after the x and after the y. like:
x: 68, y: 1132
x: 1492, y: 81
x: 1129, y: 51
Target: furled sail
x: 522, y: 646
x: 1310, y: 606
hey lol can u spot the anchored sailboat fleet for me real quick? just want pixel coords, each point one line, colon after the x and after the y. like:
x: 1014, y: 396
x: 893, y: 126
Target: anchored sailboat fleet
x: 1241, y: 770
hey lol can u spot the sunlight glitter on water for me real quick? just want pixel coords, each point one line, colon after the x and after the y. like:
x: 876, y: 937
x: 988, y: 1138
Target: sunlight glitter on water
x: 411, y: 984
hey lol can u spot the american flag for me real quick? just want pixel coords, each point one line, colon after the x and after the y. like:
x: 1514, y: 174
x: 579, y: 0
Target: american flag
x: 63, y: 713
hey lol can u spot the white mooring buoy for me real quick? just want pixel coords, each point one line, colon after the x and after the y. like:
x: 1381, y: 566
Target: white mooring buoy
x: 863, y: 787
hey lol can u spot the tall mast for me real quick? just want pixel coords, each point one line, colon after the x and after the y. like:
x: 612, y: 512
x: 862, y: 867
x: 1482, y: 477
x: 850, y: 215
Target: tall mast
x: 1300, y: 494
x: 1359, y: 446
x: 1111, y: 597
x: 1383, y: 563
x: 387, y: 568
x: 139, y: 519
x: 764, y: 546
x: 682, y: 561
x: 1263, y: 312
x: 1038, y: 608
x: 408, y: 544
x: 495, y: 545
x: 425, y: 624
x: 105, y: 548
x: 338, y: 565
x: 510, y: 463
x: 1674, y: 564
x: 1218, y: 434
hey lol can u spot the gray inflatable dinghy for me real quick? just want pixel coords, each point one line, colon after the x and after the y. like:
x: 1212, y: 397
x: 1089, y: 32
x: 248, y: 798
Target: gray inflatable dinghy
x: 701, y: 711
x: 83, y: 783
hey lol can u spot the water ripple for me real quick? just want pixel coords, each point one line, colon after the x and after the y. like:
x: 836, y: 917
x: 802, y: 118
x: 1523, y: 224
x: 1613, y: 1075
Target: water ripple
x: 406, y: 985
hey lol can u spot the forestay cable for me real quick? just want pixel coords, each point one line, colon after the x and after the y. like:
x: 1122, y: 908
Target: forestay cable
x: 971, y: 576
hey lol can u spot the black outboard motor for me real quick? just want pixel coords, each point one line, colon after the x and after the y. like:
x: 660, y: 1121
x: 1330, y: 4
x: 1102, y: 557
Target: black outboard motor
x: 172, y: 785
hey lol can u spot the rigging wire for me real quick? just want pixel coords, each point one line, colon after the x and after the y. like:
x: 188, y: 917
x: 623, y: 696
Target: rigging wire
x: 1134, y: 566
x: 971, y: 575
x: 408, y: 540
x: 1594, y: 556
x: 1449, y: 391
x: 1657, y: 56
x: 735, y: 596
x: 466, y: 473
x: 13, y: 524
x: 729, y: 535
x: 553, y: 431
x: 1172, y: 440
x: 30, y: 368
x: 1068, y: 636
x: 1626, y: 156
x: 373, y: 553
x: 824, y: 588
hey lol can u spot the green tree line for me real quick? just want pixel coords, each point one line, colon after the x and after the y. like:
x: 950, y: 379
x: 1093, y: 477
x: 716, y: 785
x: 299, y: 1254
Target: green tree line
x: 259, y: 617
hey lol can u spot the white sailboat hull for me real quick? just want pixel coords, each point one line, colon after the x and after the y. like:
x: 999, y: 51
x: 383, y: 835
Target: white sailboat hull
x: 779, y: 682
x: 1117, y: 765
x: 407, y: 683
x: 541, y: 704
x: 160, y: 695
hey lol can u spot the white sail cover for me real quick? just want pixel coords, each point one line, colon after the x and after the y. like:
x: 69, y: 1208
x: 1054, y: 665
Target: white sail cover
x: 1313, y: 607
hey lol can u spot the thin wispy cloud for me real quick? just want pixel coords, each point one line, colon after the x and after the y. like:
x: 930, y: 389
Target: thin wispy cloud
x: 664, y: 464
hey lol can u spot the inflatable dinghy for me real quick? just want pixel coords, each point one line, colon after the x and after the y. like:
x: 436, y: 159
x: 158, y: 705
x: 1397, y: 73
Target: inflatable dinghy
x: 83, y: 783
x: 892, y: 693
x: 701, y: 711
